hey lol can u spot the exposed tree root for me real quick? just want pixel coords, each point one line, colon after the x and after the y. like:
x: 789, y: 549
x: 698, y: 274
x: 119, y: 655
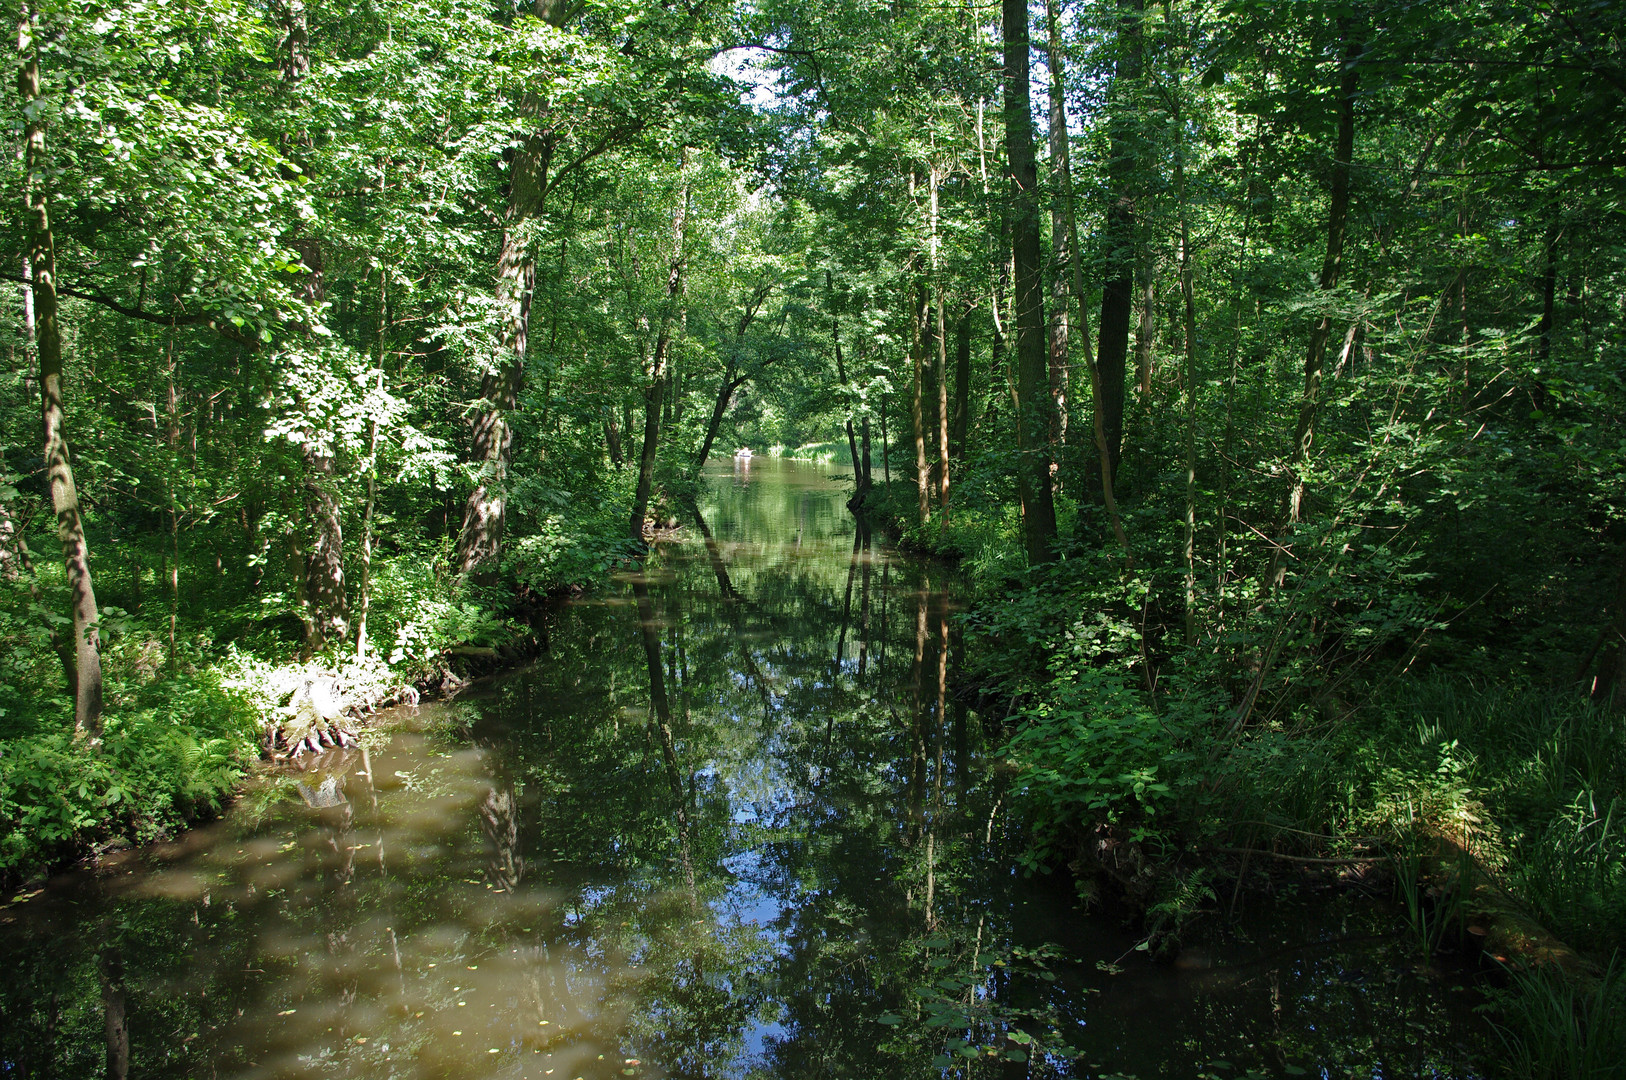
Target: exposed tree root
x: 310, y: 723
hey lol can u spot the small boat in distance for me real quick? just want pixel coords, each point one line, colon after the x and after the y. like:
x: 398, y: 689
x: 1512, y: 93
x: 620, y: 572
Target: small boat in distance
x: 743, y: 454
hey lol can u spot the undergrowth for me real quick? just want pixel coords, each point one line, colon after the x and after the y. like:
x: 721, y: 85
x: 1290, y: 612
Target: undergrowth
x: 160, y: 765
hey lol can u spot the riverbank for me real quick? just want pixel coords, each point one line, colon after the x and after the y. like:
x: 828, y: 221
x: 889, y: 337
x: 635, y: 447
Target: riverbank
x: 185, y: 723
x: 176, y: 751
x: 1186, y: 780
x: 738, y: 822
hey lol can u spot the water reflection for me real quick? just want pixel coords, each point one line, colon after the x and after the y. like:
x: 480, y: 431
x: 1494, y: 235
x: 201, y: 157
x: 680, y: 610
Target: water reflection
x: 736, y: 824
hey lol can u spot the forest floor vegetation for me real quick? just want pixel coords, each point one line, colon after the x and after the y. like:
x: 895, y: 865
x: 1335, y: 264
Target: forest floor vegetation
x: 1489, y: 811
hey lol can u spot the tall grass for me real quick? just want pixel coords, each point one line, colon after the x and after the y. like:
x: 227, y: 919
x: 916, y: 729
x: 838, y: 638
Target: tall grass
x: 1529, y: 781
x: 1555, y: 1030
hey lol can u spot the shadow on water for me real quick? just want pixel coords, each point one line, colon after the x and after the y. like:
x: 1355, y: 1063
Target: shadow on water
x: 735, y: 824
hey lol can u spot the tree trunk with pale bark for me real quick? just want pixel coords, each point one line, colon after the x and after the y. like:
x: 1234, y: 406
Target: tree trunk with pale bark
x: 87, y: 651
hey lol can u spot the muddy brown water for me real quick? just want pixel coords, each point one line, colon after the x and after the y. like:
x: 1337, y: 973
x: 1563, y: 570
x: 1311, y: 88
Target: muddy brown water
x: 733, y: 824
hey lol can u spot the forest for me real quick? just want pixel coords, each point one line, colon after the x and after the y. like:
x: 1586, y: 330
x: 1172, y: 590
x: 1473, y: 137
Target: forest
x: 1259, y: 366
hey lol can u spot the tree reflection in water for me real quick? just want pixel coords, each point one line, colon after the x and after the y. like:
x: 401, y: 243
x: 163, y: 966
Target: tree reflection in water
x: 735, y: 823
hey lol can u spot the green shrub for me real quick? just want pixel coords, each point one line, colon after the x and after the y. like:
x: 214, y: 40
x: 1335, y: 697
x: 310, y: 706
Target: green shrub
x: 1095, y: 752
x: 156, y: 769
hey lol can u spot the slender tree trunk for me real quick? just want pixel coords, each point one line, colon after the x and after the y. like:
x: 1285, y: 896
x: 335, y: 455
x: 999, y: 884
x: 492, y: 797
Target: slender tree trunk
x: 1065, y: 177
x: 657, y: 376
x: 940, y: 366
x: 1117, y: 292
x: 1033, y: 421
x: 868, y: 474
x: 918, y: 308
x: 886, y: 451
x: 1223, y: 466
x: 324, y: 561
x: 1060, y: 272
x: 731, y: 382
x: 860, y: 485
x: 719, y: 409
x: 612, y: 439
x: 172, y: 443
x: 327, y: 607
x: 962, y: 385
x: 1188, y: 294
x: 943, y: 456
x: 1331, y: 268
x: 998, y: 264
x: 366, y: 585
x: 1146, y: 337
x: 1549, y: 292
x: 87, y: 688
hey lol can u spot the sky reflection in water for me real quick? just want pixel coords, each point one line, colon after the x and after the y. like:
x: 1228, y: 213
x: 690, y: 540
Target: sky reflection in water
x: 734, y: 824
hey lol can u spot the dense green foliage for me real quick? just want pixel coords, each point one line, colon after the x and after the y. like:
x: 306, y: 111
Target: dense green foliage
x: 817, y: 880
x: 382, y: 319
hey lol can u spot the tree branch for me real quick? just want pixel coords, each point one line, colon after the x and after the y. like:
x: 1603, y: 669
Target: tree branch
x: 214, y: 322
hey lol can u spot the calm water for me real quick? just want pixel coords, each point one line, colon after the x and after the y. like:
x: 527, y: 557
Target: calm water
x: 734, y: 824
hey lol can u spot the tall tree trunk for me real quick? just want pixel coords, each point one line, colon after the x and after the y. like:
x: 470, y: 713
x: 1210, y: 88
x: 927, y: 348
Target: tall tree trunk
x: 998, y: 265
x: 868, y: 474
x: 491, y: 445
x: 886, y: 450
x: 1146, y: 337
x: 719, y: 409
x: 1117, y: 289
x: 365, y: 590
x: 324, y: 560
x: 322, y: 590
x: 919, y: 306
x: 1549, y: 292
x: 943, y: 455
x: 612, y: 438
x: 1060, y: 272
x: 962, y: 385
x: 657, y: 375
x: 1064, y: 174
x: 731, y: 381
x: 940, y: 364
x: 1331, y: 268
x: 860, y: 480
x: 1250, y: 153
x: 1033, y: 420
x: 1188, y: 293
x: 172, y: 444
x: 87, y: 688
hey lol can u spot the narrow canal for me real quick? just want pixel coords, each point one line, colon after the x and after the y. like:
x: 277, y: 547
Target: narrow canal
x: 735, y: 823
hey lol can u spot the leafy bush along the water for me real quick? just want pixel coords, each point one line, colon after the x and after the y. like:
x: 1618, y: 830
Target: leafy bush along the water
x: 156, y: 769
x: 1095, y: 752
x: 1530, y: 782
